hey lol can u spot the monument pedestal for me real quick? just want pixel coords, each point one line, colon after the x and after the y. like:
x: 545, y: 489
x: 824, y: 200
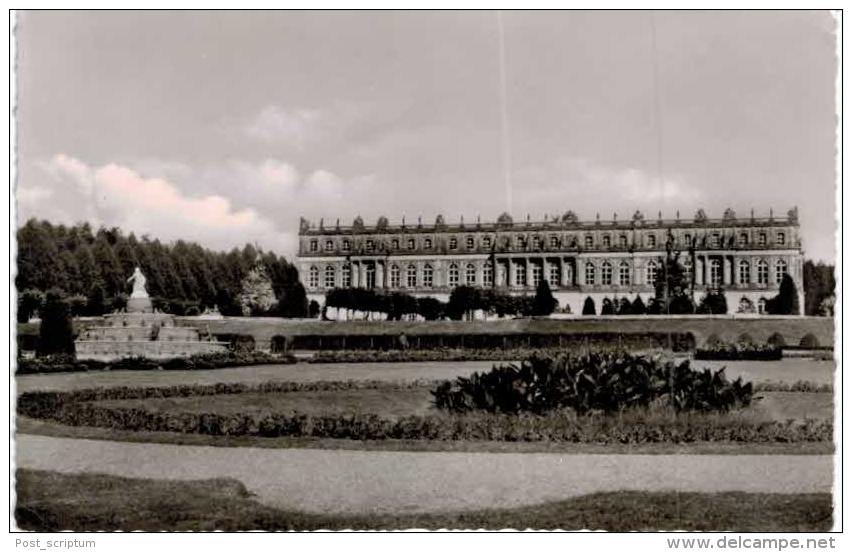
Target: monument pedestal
x: 139, y: 304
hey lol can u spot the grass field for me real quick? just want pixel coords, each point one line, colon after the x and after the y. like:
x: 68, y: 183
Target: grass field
x: 785, y: 370
x: 394, y: 402
x: 49, y: 501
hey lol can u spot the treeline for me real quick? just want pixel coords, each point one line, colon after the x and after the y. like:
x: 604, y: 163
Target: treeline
x: 818, y: 282
x: 90, y: 269
x: 463, y: 301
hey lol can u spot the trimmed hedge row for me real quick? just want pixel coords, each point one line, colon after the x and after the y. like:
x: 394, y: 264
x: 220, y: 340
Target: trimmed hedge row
x: 739, y: 351
x: 77, y: 408
x: 67, y: 363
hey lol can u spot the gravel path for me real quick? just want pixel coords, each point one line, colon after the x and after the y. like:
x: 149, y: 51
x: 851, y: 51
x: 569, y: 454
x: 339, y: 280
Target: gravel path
x: 787, y: 370
x: 343, y: 481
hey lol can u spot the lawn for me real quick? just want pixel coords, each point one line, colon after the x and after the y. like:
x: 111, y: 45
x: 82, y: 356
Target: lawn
x: 49, y: 501
x: 785, y: 370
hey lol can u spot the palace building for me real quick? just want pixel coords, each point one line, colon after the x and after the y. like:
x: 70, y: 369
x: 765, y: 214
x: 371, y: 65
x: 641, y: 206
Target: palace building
x: 744, y: 257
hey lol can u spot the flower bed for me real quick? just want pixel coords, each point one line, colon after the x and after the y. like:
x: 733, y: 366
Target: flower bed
x: 66, y: 363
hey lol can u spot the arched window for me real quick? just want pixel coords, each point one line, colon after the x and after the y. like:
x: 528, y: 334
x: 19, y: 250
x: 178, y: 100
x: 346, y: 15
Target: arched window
x: 744, y: 272
x: 313, y: 277
x: 395, y: 243
x: 329, y: 276
x: 762, y: 272
x: 428, y: 276
x: 589, y: 241
x: 486, y: 241
x: 470, y: 275
x: 780, y: 238
x: 554, y: 242
x: 590, y: 273
x: 411, y: 276
x: 347, y: 245
x: 427, y: 243
x: 411, y: 243
x: 519, y: 241
x: 469, y: 242
x: 715, y: 272
x: 606, y: 274
x: 329, y: 245
x: 780, y: 270
x: 536, y: 274
x: 743, y: 240
x: 453, y: 275
x: 607, y: 241
x: 687, y: 268
x: 553, y: 275
x: 624, y: 274
x: 715, y: 241
x: 622, y: 241
x: 761, y: 240
x: 651, y: 273
x: 537, y: 242
x: 454, y: 243
x: 314, y: 245
x: 346, y: 276
x: 488, y: 275
x: 394, y: 276
x: 652, y: 240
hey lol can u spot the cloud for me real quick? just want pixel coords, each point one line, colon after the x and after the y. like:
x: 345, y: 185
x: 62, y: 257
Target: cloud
x: 119, y: 195
x: 277, y: 124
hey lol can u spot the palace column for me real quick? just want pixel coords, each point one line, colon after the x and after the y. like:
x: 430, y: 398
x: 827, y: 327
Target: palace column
x: 480, y: 267
x: 529, y: 271
x: 563, y: 272
x: 727, y: 272
x: 707, y: 279
x: 380, y: 274
x: 512, y: 268
x: 355, y: 273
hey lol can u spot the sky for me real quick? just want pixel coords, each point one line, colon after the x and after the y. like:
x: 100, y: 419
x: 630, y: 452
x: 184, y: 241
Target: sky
x: 227, y: 127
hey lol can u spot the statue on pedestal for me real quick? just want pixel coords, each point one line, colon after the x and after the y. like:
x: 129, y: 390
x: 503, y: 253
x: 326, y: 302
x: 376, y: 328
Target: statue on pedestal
x: 139, y: 300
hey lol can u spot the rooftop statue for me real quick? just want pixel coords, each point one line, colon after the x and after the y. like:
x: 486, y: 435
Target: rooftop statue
x: 138, y: 280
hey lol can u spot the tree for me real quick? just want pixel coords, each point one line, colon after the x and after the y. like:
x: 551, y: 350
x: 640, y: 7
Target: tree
x: 543, y: 304
x: 257, y: 296
x: 638, y: 306
x: 818, y: 284
x: 96, y: 301
x: 293, y: 302
x: 56, y: 334
x: 430, y: 308
x: 462, y: 302
x: 30, y: 303
x: 787, y: 300
x: 589, y: 307
x: 624, y: 306
x: 672, y: 288
x: 713, y: 302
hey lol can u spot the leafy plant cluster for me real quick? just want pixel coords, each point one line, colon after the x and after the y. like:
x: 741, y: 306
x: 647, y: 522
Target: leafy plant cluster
x: 67, y: 363
x: 85, y: 408
x: 594, y: 382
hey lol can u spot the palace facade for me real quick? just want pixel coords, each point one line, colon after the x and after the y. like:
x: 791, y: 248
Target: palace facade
x: 744, y: 257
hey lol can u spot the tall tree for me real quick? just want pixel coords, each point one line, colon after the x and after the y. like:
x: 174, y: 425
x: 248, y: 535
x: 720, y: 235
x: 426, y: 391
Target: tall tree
x: 56, y: 334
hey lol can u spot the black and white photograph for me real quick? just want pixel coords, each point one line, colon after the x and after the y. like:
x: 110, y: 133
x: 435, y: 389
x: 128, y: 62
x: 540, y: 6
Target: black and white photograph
x: 385, y: 270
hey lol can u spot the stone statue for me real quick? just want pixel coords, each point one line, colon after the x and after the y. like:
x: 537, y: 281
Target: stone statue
x: 138, y: 279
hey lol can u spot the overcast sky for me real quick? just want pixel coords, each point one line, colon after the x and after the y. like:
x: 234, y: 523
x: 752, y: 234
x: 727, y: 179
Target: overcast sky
x: 226, y: 127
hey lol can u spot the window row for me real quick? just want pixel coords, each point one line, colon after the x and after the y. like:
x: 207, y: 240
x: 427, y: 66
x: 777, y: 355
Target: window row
x: 713, y: 240
x: 408, y: 276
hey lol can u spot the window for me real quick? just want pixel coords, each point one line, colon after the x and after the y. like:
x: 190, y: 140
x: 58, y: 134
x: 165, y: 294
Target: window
x: 687, y: 239
x: 761, y: 240
x: 553, y: 275
x: 590, y: 273
x: 780, y: 270
x: 622, y: 241
x: 624, y: 274
x: 346, y: 276
x: 454, y: 243
x: 486, y: 241
x: 519, y: 241
x: 652, y: 240
x: 395, y: 243
x: 411, y: 244
x: 428, y: 276
x: 589, y: 241
x: 347, y: 245
x: 520, y: 275
x: 715, y: 272
x: 744, y: 272
x: 554, y: 241
x: 370, y: 245
x: 314, y: 245
x: 607, y: 241
x: 469, y: 242
x: 370, y: 273
x: 761, y: 306
x: 780, y: 238
x: 536, y: 274
x: 651, y: 273
x: 313, y: 277
x: 606, y: 274
x: 687, y: 269
x: 453, y: 275
x: 470, y: 275
x: 329, y: 245
x: 714, y: 240
x: 536, y: 242
x: 329, y: 276
x: 488, y: 275
x: 411, y: 276
x: 427, y: 243
x: 743, y: 239
x: 394, y: 276
x: 762, y: 272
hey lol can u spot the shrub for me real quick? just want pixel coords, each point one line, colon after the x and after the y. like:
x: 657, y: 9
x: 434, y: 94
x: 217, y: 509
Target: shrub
x: 589, y: 306
x: 744, y: 349
x: 67, y: 363
x: 56, y: 334
x: 592, y: 382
